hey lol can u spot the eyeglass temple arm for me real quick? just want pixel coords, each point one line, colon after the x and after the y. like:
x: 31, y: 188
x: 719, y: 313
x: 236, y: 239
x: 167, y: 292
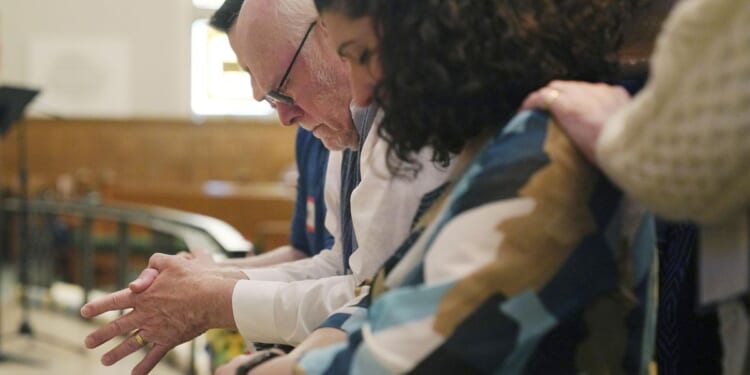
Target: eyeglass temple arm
x: 294, y: 58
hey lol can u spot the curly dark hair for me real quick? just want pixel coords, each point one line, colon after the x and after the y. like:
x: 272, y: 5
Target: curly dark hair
x: 456, y: 69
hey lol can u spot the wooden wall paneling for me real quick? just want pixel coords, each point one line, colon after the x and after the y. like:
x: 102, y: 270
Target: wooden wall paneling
x: 144, y: 150
x: 164, y: 162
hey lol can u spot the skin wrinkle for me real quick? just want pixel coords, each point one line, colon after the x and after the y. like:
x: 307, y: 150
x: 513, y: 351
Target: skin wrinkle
x: 527, y: 260
x: 147, y: 311
x: 316, y: 61
x: 315, y: 81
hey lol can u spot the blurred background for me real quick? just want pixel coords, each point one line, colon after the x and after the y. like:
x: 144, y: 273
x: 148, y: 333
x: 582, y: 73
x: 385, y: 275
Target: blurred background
x: 144, y: 137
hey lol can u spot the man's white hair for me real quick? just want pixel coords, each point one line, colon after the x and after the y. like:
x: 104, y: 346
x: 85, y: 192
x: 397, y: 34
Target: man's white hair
x: 293, y: 17
x: 287, y: 21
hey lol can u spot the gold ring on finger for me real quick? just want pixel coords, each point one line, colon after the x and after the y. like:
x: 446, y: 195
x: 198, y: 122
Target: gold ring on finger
x: 139, y: 339
x: 550, y: 95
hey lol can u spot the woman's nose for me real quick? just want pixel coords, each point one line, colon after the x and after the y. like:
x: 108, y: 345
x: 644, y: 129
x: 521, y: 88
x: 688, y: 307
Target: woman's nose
x: 361, y: 85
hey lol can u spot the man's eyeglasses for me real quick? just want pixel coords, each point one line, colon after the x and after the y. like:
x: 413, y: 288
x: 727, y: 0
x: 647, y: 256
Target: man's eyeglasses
x: 276, y: 96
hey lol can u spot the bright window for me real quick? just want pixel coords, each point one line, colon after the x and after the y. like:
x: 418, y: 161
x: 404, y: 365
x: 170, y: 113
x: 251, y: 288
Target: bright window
x: 208, y: 4
x: 218, y: 85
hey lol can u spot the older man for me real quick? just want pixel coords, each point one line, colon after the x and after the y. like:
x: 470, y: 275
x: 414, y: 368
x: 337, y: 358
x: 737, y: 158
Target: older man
x: 308, y: 235
x: 278, y: 43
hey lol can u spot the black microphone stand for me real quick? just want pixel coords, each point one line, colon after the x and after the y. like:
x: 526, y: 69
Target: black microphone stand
x: 21, y: 97
x: 12, y: 103
x: 6, y: 357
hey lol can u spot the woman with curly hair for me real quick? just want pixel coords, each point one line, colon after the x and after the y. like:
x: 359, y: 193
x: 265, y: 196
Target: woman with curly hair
x: 529, y: 262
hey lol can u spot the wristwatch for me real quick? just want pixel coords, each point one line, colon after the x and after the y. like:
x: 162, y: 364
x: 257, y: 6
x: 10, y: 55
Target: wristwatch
x: 257, y: 360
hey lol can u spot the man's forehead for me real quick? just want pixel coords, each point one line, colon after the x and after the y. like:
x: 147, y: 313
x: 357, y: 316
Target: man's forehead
x: 258, y: 50
x: 258, y: 19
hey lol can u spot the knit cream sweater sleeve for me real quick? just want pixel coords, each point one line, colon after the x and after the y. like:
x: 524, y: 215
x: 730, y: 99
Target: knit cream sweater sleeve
x: 682, y: 146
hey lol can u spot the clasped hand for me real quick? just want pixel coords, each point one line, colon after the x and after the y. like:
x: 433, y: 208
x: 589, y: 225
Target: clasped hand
x: 172, y: 301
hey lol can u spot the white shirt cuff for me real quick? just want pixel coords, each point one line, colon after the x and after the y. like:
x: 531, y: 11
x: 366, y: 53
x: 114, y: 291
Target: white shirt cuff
x: 253, y: 308
x: 265, y: 274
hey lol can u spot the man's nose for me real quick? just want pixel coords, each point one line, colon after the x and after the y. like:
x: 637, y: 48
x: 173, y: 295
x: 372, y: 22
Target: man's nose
x: 288, y: 113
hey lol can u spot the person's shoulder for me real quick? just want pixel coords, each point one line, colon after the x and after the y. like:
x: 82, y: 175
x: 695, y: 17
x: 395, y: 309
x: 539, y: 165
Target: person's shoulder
x: 507, y: 161
x: 523, y: 137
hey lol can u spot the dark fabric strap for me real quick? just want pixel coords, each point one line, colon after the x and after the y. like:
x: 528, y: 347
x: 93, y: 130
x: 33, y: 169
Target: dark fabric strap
x: 350, y: 178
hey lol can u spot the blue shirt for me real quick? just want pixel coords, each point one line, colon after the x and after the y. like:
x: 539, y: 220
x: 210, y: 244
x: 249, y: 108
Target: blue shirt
x: 308, y: 232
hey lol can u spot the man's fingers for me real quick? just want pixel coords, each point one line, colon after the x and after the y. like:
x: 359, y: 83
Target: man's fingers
x: 202, y: 255
x: 119, y: 300
x: 199, y: 252
x: 124, y: 349
x: 158, y: 261
x: 148, y: 362
x: 185, y: 255
x: 119, y: 326
x: 144, y: 280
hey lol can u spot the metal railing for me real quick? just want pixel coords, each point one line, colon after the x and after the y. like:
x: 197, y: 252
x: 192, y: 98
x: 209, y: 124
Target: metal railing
x: 195, y: 230
x: 212, y: 235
